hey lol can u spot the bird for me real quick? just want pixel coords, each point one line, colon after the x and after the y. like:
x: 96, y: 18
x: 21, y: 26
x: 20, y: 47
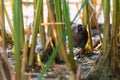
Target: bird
x: 80, y: 36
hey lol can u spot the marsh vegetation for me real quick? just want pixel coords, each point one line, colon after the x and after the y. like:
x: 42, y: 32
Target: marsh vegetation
x: 59, y: 39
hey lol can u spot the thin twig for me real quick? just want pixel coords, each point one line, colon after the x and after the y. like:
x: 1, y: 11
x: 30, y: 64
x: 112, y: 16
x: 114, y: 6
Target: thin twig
x: 55, y: 23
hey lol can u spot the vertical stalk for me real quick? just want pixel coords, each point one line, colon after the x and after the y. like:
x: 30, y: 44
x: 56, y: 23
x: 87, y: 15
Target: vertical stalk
x: 106, y: 11
x: 87, y: 11
x: 59, y: 16
x: 51, y: 14
x: 119, y: 32
x: 69, y: 32
x: 17, y: 30
x: 21, y: 28
x: 3, y: 30
x: 42, y: 29
x: 25, y: 58
x: 2, y: 25
x: 115, y: 25
x: 36, y: 27
x: 35, y: 7
x: 60, y: 32
x: 49, y: 32
x: 2, y: 71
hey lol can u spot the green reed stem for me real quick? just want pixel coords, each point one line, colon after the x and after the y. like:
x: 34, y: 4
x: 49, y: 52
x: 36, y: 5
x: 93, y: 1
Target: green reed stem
x: 61, y: 32
x: 42, y: 29
x: 35, y: 31
x: 106, y: 11
x: 115, y: 25
x: 69, y: 32
x: 18, y: 33
x: 21, y: 33
x: 35, y: 4
x: 59, y: 16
